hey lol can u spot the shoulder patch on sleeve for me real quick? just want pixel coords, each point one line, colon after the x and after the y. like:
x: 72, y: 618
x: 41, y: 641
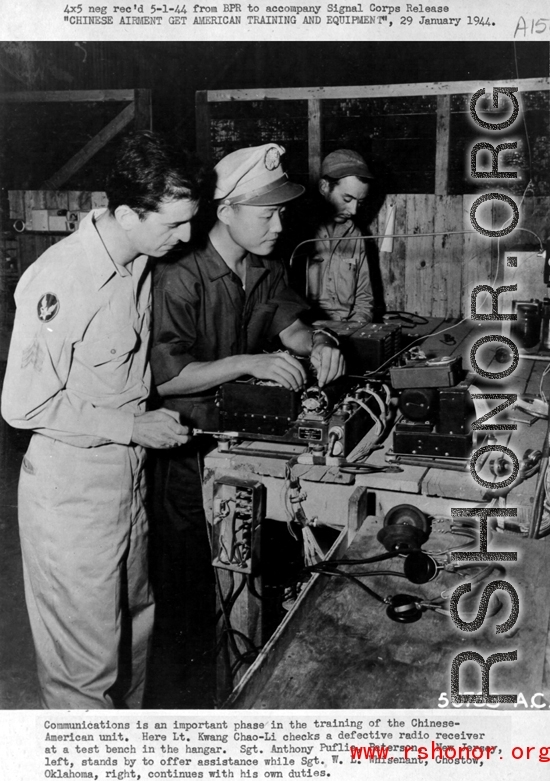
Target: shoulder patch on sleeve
x: 47, y: 307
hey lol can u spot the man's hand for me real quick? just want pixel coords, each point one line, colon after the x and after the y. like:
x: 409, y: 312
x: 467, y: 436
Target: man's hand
x: 159, y: 429
x: 328, y: 363
x: 278, y: 367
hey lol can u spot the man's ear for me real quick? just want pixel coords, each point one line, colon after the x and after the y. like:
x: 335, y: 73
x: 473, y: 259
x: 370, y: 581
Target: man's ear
x: 324, y: 187
x: 126, y: 217
x: 225, y: 213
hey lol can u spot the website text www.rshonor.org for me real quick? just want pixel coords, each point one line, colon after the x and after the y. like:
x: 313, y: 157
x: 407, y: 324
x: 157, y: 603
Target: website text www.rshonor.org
x: 448, y: 744
x: 444, y: 753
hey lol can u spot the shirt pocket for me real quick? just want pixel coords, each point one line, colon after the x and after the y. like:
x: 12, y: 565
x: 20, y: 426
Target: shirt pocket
x: 345, y: 273
x: 114, y: 347
x: 105, y: 368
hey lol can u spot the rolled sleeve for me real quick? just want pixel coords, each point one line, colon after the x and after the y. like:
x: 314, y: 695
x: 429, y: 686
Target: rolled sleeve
x: 174, y: 335
x: 290, y: 306
x: 167, y: 361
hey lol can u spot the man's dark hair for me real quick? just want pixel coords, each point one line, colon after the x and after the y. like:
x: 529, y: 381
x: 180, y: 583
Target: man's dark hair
x: 333, y: 181
x: 150, y: 170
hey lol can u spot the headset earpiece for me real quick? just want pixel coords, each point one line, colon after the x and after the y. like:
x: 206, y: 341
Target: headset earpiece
x: 405, y: 527
x: 420, y: 567
x: 404, y: 609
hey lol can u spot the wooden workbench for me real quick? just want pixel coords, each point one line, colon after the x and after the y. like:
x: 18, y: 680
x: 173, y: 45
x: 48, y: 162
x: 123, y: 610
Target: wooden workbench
x: 416, y: 481
x: 334, y: 633
x: 339, y: 649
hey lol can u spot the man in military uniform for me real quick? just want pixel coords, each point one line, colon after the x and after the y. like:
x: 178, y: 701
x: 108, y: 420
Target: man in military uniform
x: 215, y: 310
x: 78, y: 376
x: 338, y: 279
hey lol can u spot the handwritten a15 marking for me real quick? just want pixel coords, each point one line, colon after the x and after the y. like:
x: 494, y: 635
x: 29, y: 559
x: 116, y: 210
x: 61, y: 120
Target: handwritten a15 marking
x: 531, y: 26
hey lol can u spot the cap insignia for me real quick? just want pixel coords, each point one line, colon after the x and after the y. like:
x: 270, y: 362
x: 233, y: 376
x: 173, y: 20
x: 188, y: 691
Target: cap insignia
x: 272, y: 159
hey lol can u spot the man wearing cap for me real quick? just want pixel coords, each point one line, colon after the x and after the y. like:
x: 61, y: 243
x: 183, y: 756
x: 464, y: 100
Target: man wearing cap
x: 338, y: 280
x: 215, y: 310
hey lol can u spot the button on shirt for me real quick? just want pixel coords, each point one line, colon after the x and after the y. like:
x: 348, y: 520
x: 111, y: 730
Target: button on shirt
x: 202, y: 313
x: 338, y: 274
x: 77, y: 369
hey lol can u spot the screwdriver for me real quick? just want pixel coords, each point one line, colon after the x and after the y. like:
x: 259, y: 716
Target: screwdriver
x: 229, y: 434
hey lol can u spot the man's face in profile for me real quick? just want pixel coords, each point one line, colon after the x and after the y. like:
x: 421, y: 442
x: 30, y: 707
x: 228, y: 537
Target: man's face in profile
x: 156, y: 233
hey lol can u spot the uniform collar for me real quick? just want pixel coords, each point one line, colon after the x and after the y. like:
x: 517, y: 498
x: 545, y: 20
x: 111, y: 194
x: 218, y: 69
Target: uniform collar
x: 339, y: 229
x: 102, y: 266
x: 216, y: 266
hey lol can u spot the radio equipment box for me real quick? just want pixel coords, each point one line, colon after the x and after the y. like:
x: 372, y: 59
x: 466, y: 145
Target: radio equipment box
x: 436, y: 422
x: 434, y: 373
x: 365, y: 347
x: 334, y: 418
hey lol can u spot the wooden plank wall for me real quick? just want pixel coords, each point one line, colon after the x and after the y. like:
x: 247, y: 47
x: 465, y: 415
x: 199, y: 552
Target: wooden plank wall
x: 429, y: 275
x: 31, y: 244
x: 434, y: 275
x: 418, y: 137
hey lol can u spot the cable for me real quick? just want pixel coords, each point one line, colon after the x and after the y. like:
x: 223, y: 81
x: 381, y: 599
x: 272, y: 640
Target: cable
x: 354, y: 580
x: 435, y: 604
x: 484, y: 571
x: 381, y: 404
x: 526, y: 230
x: 228, y: 630
x: 252, y: 588
x: 361, y: 451
x: 406, y: 317
x: 373, y: 574
x: 228, y: 597
x: 227, y: 603
x: 368, y: 560
x: 379, y: 236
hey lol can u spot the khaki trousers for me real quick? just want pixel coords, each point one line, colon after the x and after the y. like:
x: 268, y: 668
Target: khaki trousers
x: 83, y: 529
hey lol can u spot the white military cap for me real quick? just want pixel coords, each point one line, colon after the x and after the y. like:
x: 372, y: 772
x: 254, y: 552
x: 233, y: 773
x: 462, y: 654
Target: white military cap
x: 255, y: 176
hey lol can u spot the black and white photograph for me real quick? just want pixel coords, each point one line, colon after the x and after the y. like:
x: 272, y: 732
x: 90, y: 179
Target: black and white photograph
x: 274, y: 353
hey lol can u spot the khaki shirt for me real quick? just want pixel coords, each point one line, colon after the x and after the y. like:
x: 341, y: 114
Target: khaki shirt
x: 338, y: 274
x: 77, y: 368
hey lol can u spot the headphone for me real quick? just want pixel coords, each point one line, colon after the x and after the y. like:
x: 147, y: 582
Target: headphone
x: 406, y: 529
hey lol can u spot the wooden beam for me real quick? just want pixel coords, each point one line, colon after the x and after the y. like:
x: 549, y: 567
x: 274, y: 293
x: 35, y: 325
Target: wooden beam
x: 94, y: 145
x: 144, y: 114
x: 314, y: 137
x: 375, y: 90
x: 69, y: 96
x: 442, y: 140
x: 202, y: 124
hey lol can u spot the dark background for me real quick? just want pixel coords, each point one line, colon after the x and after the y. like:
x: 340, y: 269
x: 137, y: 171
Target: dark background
x: 398, y: 134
